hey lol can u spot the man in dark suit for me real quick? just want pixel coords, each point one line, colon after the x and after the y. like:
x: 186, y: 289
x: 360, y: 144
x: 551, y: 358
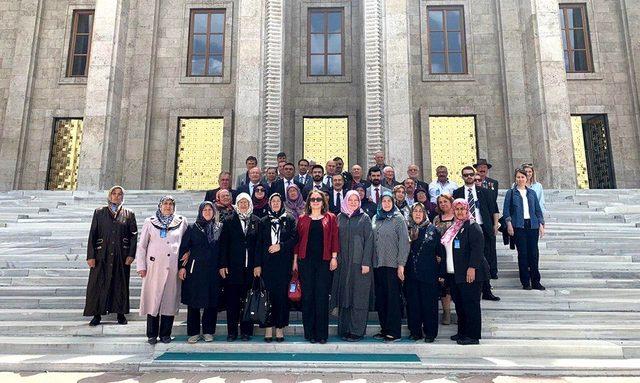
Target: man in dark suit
x: 254, y: 180
x: 281, y: 185
x: 224, y: 180
x: 337, y: 193
x: 303, y: 175
x: 243, y: 178
x: 348, y: 178
x: 482, y: 168
x: 317, y: 174
x: 483, y: 209
x: 413, y: 171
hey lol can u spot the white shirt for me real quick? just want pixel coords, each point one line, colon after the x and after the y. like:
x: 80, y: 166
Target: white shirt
x: 525, y: 203
x: 477, y: 216
x: 275, y: 234
x: 449, y: 249
x: 287, y: 183
x: 436, y: 188
x: 244, y: 224
x: 372, y: 193
x: 335, y: 196
x: 302, y: 178
x: 328, y: 180
x: 251, y: 186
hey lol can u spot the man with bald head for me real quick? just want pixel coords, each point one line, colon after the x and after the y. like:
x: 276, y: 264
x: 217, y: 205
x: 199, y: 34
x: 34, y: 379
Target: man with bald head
x: 255, y: 177
x: 356, y: 176
x: 330, y: 171
x: 413, y: 171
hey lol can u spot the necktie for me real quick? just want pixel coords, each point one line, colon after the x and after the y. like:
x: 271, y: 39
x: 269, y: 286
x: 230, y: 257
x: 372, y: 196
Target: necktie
x: 472, y: 203
x: 338, y: 198
x: 377, y: 195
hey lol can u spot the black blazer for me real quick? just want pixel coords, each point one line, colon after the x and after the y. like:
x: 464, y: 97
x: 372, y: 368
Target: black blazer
x: 245, y: 189
x: 278, y: 187
x: 288, y: 240
x: 335, y: 209
x: 234, y: 244
x: 369, y: 207
x: 211, y: 194
x: 491, y: 184
x: 422, y: 264
x: 487, y: 205
x: 470, y: 253
x: 200, y: 288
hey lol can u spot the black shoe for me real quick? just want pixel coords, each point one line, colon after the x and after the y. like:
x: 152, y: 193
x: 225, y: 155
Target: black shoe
x: 415, y: 337
x: 390, y: 339
x: 152, y: 341
x: 345, y: 337
x: 95, y: 321
x: 494, y: 276
x: 490, y: 297
x: 122, y: 319
x: 526, y: 287
x: 379, y: 336
x: 455, y: 337
x: 429, y: 340
x: 467, y: 341
x: 268, y: 340
x: 538, y: 286
x: 245, y: 337
x: 231, y: 338
x: 165, y: 339
x: 280, y: 340
x: 354, y: 338
x: 312, y: 340
x: 322, y: 341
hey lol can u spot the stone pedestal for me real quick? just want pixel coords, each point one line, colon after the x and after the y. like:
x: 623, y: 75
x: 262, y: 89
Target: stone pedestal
x: 104, y: 95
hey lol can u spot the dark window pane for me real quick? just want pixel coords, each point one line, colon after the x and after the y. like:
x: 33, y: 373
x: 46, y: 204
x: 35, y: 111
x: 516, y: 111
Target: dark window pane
x: 79, y: 66
x: 437, y: 41
x: 217, y: 23
x: 84, y: 23
x: 317, y: 65
x: 197, y: 65
x: 454, y: 41
x: 200, y: 23
x: 334, y: 64
x: 199, y: 44
x: 576, y: 21
x: 215, y: 66
x: 580, y: 61
x: 82, y: 45
x: 453, y: 21
x: 437, y: 63
x: 334, y: 22
x: 334, y: 44
x: 215, y: 44
x: 317, y: 43
x: 435, y: 21
x: 577, y: 39
x: 317, y: 22
x: 455, y: 63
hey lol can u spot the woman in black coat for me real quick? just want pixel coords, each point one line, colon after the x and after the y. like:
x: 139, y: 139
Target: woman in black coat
x: 238, y: 249
x: 199, y: 274
x: 466, y: 270
x: 277, y: 237
x: 422, y: 274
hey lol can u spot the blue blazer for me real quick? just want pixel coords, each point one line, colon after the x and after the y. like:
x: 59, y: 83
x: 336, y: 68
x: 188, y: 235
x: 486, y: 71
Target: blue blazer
x: 514, y: 213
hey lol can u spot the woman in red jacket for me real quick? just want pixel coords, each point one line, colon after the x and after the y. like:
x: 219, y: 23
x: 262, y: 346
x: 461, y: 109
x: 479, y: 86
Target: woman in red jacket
x: 316, y: 253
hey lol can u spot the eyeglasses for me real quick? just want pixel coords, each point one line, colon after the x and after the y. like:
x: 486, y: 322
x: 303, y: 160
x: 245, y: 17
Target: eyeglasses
x: 317, y: 199
x: 259, y: 190
x: 468, y: 174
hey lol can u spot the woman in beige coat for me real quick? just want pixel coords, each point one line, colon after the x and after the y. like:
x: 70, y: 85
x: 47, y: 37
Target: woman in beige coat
x: 157, y: 264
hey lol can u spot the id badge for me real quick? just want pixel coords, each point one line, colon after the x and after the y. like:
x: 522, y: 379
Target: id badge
x: 292, y: 287
x: 163, y: 233
x: 456, y: 243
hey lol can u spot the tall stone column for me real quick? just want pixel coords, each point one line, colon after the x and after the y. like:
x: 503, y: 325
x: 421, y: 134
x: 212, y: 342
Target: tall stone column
x: 104, y: 95
x: 13, y: 135
x: 547, y: 94
x: 373, y: 79
x: 398, y: 118
x: 247, y: 121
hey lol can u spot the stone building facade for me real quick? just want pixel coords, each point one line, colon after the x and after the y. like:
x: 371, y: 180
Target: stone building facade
x: 514, y: 81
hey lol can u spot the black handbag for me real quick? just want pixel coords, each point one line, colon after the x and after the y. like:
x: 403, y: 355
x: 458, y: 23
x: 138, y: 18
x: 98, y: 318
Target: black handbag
x: 257, y: 308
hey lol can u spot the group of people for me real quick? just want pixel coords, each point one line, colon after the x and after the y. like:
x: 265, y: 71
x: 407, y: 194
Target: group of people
x: 356, y: 243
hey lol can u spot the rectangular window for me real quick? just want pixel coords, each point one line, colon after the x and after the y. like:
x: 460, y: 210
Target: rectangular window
x: 199, y: 156
x: 80, y: 44
x: 575, y: 38
x: 447, y: 45
x: 452, y: 140
x: 326, y: 138
x: 325, y: 43
x: 65, y: 154
x: 206, y: 43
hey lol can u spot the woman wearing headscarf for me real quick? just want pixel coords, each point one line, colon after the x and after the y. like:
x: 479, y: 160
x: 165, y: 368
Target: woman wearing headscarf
x: 260, y: 201
x: 423, y: 273
x: 294, y: 203
x: 224, y: 204
x: 110, y: 252
x: 366, y: 204
x: 353, y: 279
x: 277, y: 236
x: 238, y: 249
x: 422, y: 195
x: 157, y: 264
x: 391, y: 252
x: 199, y: 275
x: 317, y: 254
x: 466, y: 269
x: 400, y: 198
x: 443, y: 221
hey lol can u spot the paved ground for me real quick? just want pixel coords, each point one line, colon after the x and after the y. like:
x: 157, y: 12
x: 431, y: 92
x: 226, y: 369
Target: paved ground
x: 9, y: 377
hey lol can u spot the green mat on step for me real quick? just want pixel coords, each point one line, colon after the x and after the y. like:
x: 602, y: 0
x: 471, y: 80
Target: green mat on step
x: 286, y: 357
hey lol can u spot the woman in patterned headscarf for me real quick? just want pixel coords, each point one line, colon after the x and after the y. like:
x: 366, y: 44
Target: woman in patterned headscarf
x: 157, y: 264
x: 294, y: 202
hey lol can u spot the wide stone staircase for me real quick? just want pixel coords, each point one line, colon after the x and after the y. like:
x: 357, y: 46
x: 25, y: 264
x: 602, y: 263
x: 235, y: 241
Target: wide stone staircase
x: 586, y: 322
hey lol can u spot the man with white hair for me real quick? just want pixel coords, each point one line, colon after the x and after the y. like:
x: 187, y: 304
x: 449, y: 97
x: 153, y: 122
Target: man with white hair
x: 389, y: 178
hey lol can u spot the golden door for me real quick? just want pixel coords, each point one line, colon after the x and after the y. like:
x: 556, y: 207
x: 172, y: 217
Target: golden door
x: 65, y: 155
x: 453, y: 144
x: 199, y: 157
x: 326, y: 138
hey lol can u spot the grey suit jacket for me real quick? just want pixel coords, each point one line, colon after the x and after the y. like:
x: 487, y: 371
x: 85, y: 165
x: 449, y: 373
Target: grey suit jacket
x: 370, y: 194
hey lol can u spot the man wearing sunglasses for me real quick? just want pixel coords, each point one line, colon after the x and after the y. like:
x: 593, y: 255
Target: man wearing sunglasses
x: 484, y: 210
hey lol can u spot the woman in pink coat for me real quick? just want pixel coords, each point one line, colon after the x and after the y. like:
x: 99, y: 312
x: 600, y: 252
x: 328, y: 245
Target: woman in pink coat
x: 157, y: 264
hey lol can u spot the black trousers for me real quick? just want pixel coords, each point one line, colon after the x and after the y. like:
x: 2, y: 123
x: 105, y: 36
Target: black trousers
x: 466, y: 296
x: 490, y: 252
x: 422, y: 308
x: 159, y: 325
x: 315, y: 281
x: 236, y: 295
x: 528, y: 255
x: 388, y: 304
x: 209, y: 320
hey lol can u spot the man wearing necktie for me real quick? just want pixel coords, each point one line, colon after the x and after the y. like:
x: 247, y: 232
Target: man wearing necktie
x: 375, y: 190
x: 337, y: 193
x: 483, y: 210
x: 281, y: 185
x: 317, y: 174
